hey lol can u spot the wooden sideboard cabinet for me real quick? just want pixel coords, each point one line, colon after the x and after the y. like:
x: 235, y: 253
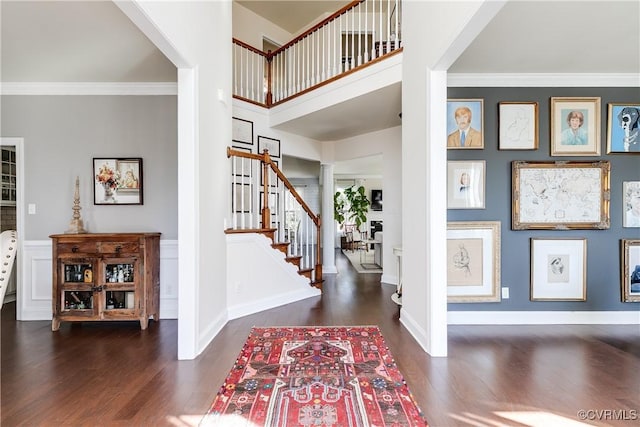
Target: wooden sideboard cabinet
x: 105, y: 276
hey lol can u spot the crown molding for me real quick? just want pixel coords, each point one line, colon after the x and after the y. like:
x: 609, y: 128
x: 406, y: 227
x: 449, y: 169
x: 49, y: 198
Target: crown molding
x: 88, y: 88
x: 543, y: 80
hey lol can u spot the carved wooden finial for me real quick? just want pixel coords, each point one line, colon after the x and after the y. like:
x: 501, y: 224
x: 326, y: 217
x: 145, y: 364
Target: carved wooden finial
x: 76, y: 226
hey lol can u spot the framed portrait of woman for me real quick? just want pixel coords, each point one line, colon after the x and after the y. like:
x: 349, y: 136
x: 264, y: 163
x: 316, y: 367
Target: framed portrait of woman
x: 575, y: 126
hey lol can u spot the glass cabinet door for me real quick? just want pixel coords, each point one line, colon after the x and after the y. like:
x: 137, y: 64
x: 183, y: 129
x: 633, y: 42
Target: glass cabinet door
x: 120, y: 280
x: 76, y: 296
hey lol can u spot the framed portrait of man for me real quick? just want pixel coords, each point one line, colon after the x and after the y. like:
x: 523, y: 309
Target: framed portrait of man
x: 465, y: 118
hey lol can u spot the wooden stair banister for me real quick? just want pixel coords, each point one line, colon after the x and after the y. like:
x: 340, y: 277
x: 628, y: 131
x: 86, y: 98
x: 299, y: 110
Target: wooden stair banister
x: 265, y: 227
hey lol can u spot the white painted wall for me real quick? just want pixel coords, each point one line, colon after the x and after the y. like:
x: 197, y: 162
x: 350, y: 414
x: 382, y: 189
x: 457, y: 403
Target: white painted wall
x: 387, y: 143
x: 251, y: 28
x: 270, y: 282
x: 185, y: 32
x: 424, y: 157
x: 290, y: 144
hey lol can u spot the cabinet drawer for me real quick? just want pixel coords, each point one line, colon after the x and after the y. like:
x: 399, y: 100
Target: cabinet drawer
x: 119, y: 247
x: 77, y: 248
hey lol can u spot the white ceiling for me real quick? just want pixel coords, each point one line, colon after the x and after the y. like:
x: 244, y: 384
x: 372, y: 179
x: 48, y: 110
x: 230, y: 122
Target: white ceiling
x: 93, y: 41
x: 293, y: 16
x: 546, y: 37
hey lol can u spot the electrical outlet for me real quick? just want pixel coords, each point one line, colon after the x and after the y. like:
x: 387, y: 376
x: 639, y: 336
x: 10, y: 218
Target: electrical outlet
x: 505, y: 293
x: 32, y: 208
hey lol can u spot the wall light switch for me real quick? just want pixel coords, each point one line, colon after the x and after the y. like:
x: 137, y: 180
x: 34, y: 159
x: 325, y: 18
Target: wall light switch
x: 505, y: 293
x: 32, y: 208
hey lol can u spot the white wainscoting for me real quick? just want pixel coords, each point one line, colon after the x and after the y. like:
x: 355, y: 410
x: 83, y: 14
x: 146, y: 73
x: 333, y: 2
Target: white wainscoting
x: 34, y: 293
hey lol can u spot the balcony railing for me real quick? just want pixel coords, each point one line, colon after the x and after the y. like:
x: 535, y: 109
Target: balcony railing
x: 356, y: 36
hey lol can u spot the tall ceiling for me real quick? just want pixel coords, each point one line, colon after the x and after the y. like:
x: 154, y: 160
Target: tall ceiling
x: 93, y: 41
x: 293, y: 16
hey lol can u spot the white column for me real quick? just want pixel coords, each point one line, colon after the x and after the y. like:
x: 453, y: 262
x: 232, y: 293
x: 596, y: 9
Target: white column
x: 328, y: 224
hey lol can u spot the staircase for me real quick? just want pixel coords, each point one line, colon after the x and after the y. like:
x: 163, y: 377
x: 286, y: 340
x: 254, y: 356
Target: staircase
x: 285, y: 219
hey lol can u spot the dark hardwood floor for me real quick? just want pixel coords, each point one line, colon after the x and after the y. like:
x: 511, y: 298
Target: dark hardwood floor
x: 104, y: 374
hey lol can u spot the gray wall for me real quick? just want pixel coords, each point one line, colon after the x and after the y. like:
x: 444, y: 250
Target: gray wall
x: 62, y: 134
x: 603, y: 254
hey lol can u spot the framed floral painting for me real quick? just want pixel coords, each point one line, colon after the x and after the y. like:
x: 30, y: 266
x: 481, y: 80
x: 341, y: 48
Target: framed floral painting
x: 117, y: 181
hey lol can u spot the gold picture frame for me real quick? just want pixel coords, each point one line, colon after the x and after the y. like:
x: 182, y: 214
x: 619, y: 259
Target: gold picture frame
x: 560, y: 195
x: 575, y: 126
x: 630, y: 270
x: 558, y: 269
x: 623, y: 128
x: 473, y: 261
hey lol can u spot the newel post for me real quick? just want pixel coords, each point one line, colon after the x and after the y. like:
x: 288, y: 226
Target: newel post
x: 266, y: 213
x: 318, y: 278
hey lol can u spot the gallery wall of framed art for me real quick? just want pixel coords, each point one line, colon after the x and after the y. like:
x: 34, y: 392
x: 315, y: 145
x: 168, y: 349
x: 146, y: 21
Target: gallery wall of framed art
x: 555, y: 197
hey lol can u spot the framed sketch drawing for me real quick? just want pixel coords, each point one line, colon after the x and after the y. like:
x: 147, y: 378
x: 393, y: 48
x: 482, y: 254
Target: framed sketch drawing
x: 575, y: 126
x: 558, y: 269
x: 241, y: 166
x: 623, y: 128
x: 271, y: 144
x: 241, y: 198
x: 631, y: 208
x: 518, y: 125
x: 242, y: 131
x: 465, y: 184
x: 560, y: 195
x: 465, y: 120
x: 473, y: 261
x: 117, y: 181
x: 630, y: 274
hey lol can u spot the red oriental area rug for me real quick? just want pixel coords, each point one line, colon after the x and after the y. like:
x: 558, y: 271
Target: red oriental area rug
x: 315, y: 376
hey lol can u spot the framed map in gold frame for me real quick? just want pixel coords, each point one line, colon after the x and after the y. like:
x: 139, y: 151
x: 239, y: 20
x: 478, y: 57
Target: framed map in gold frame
x: 560, y: 195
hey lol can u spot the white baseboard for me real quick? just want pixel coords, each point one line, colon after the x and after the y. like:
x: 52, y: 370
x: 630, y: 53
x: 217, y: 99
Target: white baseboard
x: 329, y: 269
x: 240, y: 310
x: 389, y: 279
x: 209, y: 334
x: 543, y: 318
